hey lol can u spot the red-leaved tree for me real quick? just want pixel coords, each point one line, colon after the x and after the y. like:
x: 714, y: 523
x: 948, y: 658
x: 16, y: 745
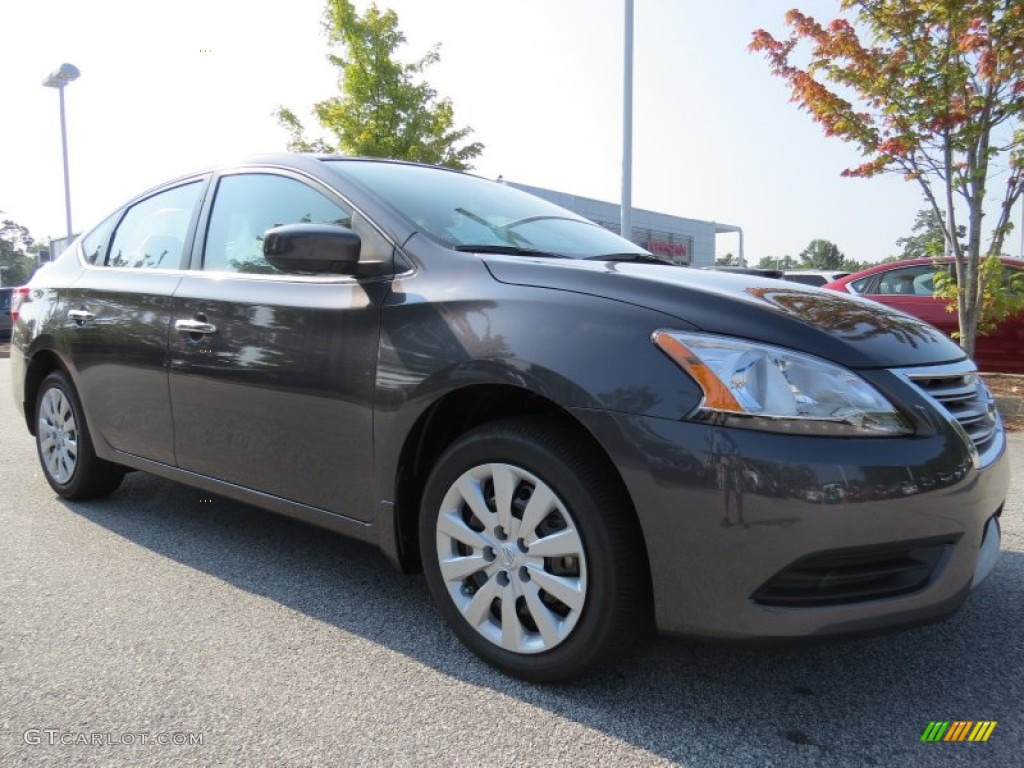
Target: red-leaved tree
x: 933, y: 90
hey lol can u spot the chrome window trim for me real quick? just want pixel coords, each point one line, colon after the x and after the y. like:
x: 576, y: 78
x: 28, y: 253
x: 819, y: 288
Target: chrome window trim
x: 213, y: 175
x: 122, y: 209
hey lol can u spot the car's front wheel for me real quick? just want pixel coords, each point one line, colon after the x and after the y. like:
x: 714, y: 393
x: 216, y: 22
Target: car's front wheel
x: 64, y: 445
x: 532, y: 552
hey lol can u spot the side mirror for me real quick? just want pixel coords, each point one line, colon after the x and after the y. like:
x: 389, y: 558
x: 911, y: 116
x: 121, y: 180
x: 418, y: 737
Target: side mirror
x: 321, y: 248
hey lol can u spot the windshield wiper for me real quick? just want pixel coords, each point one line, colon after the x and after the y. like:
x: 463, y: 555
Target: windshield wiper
x: 645, y: 258
x: 514, y: 250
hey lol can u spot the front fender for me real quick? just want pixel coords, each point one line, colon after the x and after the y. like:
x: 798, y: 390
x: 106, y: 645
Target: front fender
x: 575, y: 351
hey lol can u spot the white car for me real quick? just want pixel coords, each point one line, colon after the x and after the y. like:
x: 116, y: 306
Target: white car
x: 812, y: 276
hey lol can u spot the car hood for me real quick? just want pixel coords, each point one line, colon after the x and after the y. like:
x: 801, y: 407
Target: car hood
x: 843, y: 328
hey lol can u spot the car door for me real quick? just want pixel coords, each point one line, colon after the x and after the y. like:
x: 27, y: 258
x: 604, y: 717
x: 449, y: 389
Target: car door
x: 1002, y: 349
x: 272, y: 374
x: 118, y: 315
x: 5, y: 312
x: 911, y: 290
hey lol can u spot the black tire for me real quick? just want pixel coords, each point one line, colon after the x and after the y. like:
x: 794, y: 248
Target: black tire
x: 64, y: 444
x: 599, y: 551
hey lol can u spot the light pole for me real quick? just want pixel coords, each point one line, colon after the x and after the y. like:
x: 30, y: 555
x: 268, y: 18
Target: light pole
x: 65, y: 74
x: 626, y: 205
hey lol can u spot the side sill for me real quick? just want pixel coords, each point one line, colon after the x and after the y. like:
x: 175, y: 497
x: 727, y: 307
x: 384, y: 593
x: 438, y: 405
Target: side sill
x: 347, y: 526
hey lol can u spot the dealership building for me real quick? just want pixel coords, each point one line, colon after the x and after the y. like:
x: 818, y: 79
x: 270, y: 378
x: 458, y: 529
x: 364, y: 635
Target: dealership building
x: 685, y: 241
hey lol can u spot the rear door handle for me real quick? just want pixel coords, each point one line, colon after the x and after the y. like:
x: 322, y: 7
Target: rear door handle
x: 194, y: 326
x: 81, y: 316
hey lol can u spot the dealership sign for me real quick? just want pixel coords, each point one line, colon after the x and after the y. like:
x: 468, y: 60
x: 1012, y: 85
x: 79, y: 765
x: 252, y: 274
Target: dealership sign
x: 676, y: 251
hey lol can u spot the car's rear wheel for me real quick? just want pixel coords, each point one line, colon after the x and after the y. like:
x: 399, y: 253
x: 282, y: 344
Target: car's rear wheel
x: 532, y: 552
x: 65, y: 447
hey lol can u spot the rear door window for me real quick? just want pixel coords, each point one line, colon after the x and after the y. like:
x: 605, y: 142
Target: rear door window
x: 153, y: 232
x: 863, y: 285
x: 908, y: 281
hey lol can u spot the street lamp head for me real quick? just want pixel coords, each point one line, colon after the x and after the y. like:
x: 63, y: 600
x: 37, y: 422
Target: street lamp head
x: 62, y: 76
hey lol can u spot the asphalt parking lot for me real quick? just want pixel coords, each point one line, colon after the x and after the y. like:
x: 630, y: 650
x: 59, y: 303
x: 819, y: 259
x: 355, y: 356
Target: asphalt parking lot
x: 165, y: 615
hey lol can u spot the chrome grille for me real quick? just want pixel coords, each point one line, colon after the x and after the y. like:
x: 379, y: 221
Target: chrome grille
x: 960, y: 390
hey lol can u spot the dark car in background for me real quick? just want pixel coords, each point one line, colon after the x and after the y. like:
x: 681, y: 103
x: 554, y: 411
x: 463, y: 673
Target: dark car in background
x: 575, y: 440
x: 5, y: 312
x: 761, y: 272
x: 909, y: 286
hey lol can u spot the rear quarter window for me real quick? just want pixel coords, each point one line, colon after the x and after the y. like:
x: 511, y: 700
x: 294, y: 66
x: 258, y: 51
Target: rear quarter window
x: 860, y: 286
x: 93, y: 243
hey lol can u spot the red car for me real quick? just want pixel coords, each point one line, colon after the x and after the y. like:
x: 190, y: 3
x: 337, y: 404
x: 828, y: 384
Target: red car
x: 908, y: 286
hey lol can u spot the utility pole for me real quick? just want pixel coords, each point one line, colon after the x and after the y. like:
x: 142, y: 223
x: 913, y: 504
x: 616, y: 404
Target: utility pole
x: 626, y: 206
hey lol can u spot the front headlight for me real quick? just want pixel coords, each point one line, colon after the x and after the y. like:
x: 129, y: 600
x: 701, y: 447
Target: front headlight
x: 759, y: 386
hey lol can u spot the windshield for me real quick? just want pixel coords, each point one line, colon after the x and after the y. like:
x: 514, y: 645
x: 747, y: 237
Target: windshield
x: 465, y: 212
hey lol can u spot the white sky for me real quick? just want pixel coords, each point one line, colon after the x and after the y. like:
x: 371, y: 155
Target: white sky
x: 168, y: 87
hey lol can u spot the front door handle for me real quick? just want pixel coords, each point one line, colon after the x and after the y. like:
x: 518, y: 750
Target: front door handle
x: 194, y: 326
x: 80, y: 316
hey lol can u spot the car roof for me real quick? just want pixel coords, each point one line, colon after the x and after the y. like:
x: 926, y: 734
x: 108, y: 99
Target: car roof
x: 874, y: 269
x: 887, y: 265
x: 310, y: 162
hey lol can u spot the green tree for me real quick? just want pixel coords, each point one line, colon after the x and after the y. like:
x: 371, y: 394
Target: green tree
x: 927, y: 239
x: 16, y: 249
x: 385, y: 109
x: 728, y: 260
x: 936, y: 94
x: 776, y: 262
x: 822, y: 254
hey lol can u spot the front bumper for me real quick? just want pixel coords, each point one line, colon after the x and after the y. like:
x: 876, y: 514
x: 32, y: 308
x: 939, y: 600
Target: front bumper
x: 729, y: 513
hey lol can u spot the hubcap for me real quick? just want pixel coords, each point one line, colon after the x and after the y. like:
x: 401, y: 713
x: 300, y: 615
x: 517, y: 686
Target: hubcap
x: 58, y: 436
x: 511, y: 558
